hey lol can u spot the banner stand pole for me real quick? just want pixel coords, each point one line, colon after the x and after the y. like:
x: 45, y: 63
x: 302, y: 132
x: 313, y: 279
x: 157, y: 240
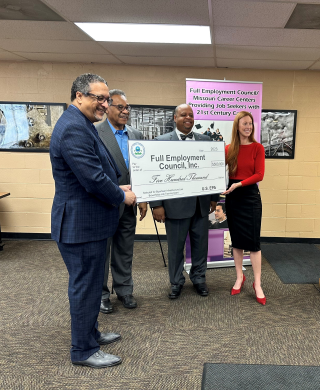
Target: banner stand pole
x: 155, y: 225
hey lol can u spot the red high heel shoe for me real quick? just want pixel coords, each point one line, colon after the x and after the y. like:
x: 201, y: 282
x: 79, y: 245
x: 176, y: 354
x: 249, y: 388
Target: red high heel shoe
x: 260, y: 300
x: 235, y: 291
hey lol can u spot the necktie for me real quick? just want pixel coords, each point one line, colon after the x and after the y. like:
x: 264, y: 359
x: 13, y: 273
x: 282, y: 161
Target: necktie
x: 120, y: 132
x: 183, y: 137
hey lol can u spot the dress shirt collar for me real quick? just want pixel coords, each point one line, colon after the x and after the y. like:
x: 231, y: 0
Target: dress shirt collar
x: 187, y: 139
x: 115, y: 130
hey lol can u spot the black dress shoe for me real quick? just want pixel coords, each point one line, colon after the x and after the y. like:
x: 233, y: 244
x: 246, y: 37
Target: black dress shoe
x: 106, y: 306
x: 108, y: 338
x: 175, y: 291
x: 202, y: 289
x: 99, y: 360
x: 128, y: 301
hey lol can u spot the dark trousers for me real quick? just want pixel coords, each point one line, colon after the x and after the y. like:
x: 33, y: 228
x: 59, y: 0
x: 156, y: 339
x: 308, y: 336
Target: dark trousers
x: 177, y: 231
x: 121, y: 245
x: 85, y: 263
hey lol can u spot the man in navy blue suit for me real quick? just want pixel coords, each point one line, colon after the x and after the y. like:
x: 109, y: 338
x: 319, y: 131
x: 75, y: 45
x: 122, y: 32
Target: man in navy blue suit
x: 85, y: 213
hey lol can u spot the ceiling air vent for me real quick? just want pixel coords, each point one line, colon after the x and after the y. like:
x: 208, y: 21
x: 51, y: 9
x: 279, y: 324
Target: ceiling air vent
x: 305, y: 16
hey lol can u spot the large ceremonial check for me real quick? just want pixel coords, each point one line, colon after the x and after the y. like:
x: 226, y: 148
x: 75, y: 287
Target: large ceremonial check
x: 168, y: 169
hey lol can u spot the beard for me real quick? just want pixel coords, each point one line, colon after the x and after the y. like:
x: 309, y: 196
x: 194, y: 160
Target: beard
x: 97, y: 117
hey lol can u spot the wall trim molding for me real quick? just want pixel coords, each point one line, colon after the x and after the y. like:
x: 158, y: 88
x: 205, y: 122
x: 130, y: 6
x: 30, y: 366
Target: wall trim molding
x: 291, y: 240
x: 26, y: 236
x: 163, y: 237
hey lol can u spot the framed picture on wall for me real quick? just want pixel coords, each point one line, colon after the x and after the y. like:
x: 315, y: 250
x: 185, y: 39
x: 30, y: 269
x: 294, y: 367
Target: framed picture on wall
x: 152, y: 120
x: 27, y: 126
x: 278, y: 133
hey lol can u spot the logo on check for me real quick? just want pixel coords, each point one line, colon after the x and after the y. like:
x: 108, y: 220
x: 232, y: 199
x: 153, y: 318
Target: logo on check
x: 137, y: 150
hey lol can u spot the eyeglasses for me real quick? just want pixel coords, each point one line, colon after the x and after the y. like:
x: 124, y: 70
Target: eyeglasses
x: 120, y: 107
x: 100, y: 98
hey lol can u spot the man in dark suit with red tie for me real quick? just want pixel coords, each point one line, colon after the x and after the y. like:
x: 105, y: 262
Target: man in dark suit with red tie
x: 85, y: 213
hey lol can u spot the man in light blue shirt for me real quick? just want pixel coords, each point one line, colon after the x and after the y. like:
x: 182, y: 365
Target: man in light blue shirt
x: 115, y: 134
x: 122, y: 139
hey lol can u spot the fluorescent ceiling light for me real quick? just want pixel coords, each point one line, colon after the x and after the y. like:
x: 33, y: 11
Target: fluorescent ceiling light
x: 148, y: 33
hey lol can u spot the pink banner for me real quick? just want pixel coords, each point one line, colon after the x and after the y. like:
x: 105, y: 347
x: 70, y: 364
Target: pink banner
x: 222, y: 100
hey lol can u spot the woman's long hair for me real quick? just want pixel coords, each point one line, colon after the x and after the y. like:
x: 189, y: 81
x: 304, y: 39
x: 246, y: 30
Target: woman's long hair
x: 233, y: 151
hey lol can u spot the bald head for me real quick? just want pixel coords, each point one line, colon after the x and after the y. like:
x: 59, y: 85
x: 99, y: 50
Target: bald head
x: 180, y: 105
x: 183, y: 116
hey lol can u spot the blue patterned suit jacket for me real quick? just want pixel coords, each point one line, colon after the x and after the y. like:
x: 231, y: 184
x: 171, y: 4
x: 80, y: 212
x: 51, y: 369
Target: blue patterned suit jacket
x: 87, y: 196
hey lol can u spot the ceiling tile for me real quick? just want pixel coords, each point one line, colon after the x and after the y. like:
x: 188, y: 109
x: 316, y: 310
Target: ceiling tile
x: 315, y: 66
x: 263, y: 64
x: 52, y: 46
x: 157, y: 50
x: 25, y: 29
x: 7, y: 56
x: 128, y: 11
x: 266, y: 37
x: 267, y: 53
x: 168, y: 61
x: 248, y: 34
x: 80, y: 58
x: 287, y: 1
x: 250, y: 14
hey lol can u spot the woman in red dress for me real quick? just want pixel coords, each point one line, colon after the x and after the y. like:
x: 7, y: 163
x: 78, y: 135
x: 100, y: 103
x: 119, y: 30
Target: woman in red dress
x: 245, y: 158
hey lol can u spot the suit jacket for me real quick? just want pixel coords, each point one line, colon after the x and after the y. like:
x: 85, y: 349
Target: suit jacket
x: 185, y: 207
x: 87, y: 195
x: 109, y: 139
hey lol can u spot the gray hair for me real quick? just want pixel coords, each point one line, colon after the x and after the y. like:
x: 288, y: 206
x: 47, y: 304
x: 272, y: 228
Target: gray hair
x: 82, y: 83
x: 113, y: 92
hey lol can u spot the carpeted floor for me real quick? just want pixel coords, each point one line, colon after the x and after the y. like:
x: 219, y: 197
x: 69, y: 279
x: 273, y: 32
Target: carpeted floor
x: 294, y: 263
x: 226, y: 376
x: 165, y: 343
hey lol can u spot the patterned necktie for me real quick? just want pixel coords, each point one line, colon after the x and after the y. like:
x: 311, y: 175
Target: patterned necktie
x: 183, y: 137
